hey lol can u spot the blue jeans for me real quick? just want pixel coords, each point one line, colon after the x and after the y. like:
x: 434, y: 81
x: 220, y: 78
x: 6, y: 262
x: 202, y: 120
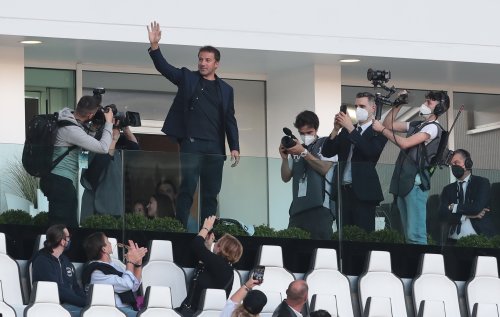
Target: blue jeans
x: 73, y: 310
x: 198, y: 162
x: 413, y: 211
x: 128, y: 311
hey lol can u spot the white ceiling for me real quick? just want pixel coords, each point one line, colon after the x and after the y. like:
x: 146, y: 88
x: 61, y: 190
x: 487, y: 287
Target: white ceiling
x: 407, y: 73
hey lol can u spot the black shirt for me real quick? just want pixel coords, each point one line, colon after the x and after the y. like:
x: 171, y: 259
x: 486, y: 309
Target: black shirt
x: 205, y: 119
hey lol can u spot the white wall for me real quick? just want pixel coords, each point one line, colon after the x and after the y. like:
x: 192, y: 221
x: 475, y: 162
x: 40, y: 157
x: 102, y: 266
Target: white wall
x: 428, y: 29
x: 12, y: 92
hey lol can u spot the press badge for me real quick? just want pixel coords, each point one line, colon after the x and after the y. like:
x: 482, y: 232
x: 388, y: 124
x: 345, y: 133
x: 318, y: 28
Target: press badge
x: 83, y: 159
x: 302, y: 187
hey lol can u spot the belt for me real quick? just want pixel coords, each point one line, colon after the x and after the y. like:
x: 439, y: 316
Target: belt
x: 346, y: 186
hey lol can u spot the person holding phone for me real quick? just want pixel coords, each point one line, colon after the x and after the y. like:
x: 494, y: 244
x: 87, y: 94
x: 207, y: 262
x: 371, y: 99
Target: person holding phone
x: 246, y: 302
x: 215, y: 269
x: 358, y: 148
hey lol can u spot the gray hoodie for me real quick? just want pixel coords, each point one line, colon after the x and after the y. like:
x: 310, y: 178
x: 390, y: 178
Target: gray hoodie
x: 75, y: 135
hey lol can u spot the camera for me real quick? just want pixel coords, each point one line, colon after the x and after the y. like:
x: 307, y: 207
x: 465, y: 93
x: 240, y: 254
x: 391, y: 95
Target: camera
x: 381, y: 76
x: 378, y: 79
x: 289, y: 140
x: 128, y: 118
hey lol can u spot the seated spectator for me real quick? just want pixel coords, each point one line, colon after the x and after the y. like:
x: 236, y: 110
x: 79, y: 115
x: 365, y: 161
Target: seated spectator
x: 50, y: 264
x: 139, y: 208
x: 253, y: 301
x: 160, y: 206
x: 168, y: 188
x: 295, y: 303
x: 101, y: 270
x: 465, y: 203
x: 215, y: 268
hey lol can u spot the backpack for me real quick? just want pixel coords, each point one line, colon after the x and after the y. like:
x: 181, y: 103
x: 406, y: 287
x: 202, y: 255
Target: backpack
x: 39, y: 145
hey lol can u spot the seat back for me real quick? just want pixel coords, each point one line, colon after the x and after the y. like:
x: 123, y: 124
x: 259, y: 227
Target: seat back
x: 432, y: 284
x: 44, y: 301
x: 276, y: 277
x: 160, y: 270
x: 326, y: 302
x: 3, y: 244
x: 236, y: 282
x: 484, y: 286
x: 5, y: 309
x: 158, y: 303
x: 325, y: 279
x: 378, y: 306
x: 431, y: 308
x: 485, y: 310
x: 379, y: 281
x: 115, y: 254
x: 212, y: 302
x: 10, y: 276
x: 40, y: 239
x: 102, y: 302
x: 273, y: 301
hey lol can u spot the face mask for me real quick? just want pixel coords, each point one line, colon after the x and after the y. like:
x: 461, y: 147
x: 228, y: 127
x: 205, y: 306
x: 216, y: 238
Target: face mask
x: 457, y: 171
x: 424, y: 110
x: 307, y: 139
x: 67, y: 246
x: 361, y: 114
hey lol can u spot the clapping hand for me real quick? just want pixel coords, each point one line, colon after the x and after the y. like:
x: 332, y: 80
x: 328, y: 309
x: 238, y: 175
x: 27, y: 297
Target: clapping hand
x: 135, y: 254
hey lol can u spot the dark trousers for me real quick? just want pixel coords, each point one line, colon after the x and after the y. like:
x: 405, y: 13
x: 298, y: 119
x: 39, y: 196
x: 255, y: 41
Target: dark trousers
x: 63, y: 201
x: 203, y: 160
x: 317, y: 221
x: 355, y: 212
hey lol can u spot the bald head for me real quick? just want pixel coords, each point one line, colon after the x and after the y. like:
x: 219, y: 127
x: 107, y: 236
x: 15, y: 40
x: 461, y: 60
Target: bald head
x: 297, y: 292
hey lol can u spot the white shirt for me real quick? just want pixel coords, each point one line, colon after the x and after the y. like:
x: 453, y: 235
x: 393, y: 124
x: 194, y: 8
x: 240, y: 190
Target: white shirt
x: 466, y: 228
x: 126, y: 282
x: 348, y: 170
x: 228, y: 308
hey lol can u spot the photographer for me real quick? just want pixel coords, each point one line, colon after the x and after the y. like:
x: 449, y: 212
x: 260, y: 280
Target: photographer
x: 103, y: 180
x: 310, y: 172
x: 359, y: 149
x: 60, y: 185
x: 410, y: 181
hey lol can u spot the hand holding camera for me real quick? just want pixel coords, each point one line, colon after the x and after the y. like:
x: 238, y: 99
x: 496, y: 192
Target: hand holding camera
x: 344, y: 120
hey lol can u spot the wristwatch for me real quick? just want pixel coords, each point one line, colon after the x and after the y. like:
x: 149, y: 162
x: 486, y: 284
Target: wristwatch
x: 304, y: 153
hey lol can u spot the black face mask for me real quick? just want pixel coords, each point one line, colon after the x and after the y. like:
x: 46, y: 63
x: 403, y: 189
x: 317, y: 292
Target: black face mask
x: 457, y: 171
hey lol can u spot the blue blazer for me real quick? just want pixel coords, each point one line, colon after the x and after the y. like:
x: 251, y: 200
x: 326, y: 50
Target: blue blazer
x: 186, y: 81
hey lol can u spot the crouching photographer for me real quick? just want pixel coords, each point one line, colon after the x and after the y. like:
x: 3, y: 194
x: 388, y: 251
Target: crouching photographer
x: 103, y: 179
x: 311, y: 175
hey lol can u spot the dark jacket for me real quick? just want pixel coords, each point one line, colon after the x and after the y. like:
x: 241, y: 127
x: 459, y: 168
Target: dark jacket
x: 477, y: 197
x: 47, y: 267
x: 186, y: 81
x: 283, y: 310
x: 365, y: 155
x: 215, y: 272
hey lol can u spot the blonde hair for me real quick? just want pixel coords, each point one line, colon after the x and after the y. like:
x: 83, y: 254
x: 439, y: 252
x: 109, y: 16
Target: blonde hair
x: 240, y: 311
x: 230, y: 248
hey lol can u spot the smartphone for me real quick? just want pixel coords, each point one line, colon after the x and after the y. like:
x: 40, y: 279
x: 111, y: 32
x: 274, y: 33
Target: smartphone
x: 258, y: 273
x: 343, y: 108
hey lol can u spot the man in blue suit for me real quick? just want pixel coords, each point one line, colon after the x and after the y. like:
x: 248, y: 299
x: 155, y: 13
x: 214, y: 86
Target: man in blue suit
x: 200, y: 117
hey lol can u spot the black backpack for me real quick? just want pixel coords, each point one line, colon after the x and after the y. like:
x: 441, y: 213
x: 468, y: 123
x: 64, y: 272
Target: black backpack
x: 39, y: 145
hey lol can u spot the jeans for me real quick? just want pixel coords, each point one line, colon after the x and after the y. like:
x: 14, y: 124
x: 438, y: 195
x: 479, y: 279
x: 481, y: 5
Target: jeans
x: 203, y: 160
x: 73, y: 310
x: 413, y: 211
x: 128, y: 311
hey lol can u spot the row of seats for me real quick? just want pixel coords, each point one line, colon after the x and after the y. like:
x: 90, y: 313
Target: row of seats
x: 380, y: 292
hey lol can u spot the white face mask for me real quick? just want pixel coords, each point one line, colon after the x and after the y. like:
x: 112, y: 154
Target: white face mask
x: 307, y: 139
x: 424, y: 110
x: 361, y: 114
